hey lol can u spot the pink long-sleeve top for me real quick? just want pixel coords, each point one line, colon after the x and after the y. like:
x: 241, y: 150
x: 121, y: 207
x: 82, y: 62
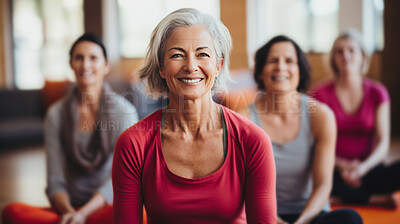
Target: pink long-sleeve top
x: 141, y: 177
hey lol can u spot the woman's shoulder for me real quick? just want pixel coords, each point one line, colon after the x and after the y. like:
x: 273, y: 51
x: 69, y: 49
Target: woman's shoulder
x: 122, y: 104
x: 54, y: 111
x: 320, y: 114
x: 144, y: 130
x: 374, y: 84
x: 377, y: 90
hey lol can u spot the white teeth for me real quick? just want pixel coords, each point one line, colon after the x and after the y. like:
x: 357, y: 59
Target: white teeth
x: 279, y: 78
x: 190, y: 80
x: 86, y: 74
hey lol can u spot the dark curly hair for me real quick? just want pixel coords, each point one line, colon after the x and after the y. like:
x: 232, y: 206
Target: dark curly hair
x: 302, y: 62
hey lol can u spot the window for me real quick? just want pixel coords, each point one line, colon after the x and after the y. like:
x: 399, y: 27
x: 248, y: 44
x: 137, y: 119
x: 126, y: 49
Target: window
x: 43, y: 32
x: 313, y: 24
x: 378, y: 9
x: 138, y: 18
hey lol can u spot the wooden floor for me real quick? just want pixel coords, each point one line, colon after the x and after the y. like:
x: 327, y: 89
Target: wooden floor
x: 23, y: 177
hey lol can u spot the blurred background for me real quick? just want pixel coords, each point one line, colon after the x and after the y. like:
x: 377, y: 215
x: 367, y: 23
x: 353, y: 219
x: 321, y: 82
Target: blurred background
x: 35, y: 37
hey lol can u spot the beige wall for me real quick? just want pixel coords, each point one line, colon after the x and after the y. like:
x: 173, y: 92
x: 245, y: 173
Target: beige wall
x: 321, y: 69
x: 233, y: 15
x: 2, y: 51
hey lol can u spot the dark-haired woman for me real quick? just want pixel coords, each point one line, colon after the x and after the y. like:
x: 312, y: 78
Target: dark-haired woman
x: 303, y: 135
x: 80, y: 132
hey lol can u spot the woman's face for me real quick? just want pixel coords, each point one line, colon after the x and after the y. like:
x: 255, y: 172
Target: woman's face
x: 89, y: 64
x: 281, y: 70
x: 190, y: 62
x: 347, y: 56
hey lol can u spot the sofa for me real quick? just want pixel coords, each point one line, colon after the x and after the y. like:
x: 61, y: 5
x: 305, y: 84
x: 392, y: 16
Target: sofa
x: 23, y: 111
x: 21, y: 118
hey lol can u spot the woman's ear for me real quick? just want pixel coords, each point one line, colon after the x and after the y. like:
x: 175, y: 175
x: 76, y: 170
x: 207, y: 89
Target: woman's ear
x: 161, y: 72
x: 220, y: 65
x: 107, y: 68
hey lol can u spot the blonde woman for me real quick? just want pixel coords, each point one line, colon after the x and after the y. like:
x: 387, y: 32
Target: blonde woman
x: 362, y: 111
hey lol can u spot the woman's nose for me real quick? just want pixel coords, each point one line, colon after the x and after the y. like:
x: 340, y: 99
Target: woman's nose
x: 281, y: 64
x: 191, y: 65
x: 346, y: 54
x: 86, y: 63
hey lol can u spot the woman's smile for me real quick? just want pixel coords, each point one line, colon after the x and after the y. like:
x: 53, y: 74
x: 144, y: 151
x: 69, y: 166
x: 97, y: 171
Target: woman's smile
x: 191, y: 81
x: 190, y: 63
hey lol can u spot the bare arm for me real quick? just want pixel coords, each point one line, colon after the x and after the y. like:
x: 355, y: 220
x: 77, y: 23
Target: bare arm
x: 95, y: 203
x: 382, y: 135
x: 324, y: 131
x: 61, y: 203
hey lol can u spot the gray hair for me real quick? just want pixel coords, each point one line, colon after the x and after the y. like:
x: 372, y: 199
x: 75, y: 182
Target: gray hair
x: 150, y: 71
x: 356, y: 36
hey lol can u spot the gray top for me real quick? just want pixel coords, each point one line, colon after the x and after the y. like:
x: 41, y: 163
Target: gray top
x: 293, y: 161
x: 64, y: 177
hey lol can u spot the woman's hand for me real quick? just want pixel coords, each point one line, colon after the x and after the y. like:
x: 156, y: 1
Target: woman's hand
x: 280, y: 221
x: 353, y: 172
x: 75, y: 217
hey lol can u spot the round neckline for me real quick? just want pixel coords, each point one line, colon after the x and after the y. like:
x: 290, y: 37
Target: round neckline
x: 339, y: 105
x: 298, y: 131
x: 176, y: 177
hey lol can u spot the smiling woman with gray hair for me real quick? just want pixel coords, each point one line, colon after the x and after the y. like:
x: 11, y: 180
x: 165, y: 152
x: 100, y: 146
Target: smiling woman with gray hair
x: 194, y: 161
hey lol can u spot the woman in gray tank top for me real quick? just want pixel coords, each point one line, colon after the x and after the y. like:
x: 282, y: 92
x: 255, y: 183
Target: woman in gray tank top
x: 303, y: 133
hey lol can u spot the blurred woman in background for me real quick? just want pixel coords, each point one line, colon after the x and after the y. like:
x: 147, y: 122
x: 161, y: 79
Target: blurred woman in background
x: 362, y: 111
x: 303, y: 134
x: 80, y: 133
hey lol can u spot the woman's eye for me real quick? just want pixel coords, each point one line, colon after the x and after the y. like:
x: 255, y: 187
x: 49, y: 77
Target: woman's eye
x: 290, y: 61
x: 203, y: 55
x: 78, y: 57
x: 176, y: 56
x: 272, y: 61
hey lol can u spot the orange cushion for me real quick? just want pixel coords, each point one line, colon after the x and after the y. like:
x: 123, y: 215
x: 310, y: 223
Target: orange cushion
x: 53, y: 91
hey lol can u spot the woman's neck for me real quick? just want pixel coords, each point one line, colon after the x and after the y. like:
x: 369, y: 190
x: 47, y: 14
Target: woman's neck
x: 192, y: 116
x: 349, y: 81
x: 89, y: 97
x: 280, y: 103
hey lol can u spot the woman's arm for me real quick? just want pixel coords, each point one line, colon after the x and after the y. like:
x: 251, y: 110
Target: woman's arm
x: 260, y: 189
x: 71, y: 216
x: 382, y: 135
x: 324, y: 132
x: 61, y: 203
x: 55, y: 161
x: 127, y: 185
